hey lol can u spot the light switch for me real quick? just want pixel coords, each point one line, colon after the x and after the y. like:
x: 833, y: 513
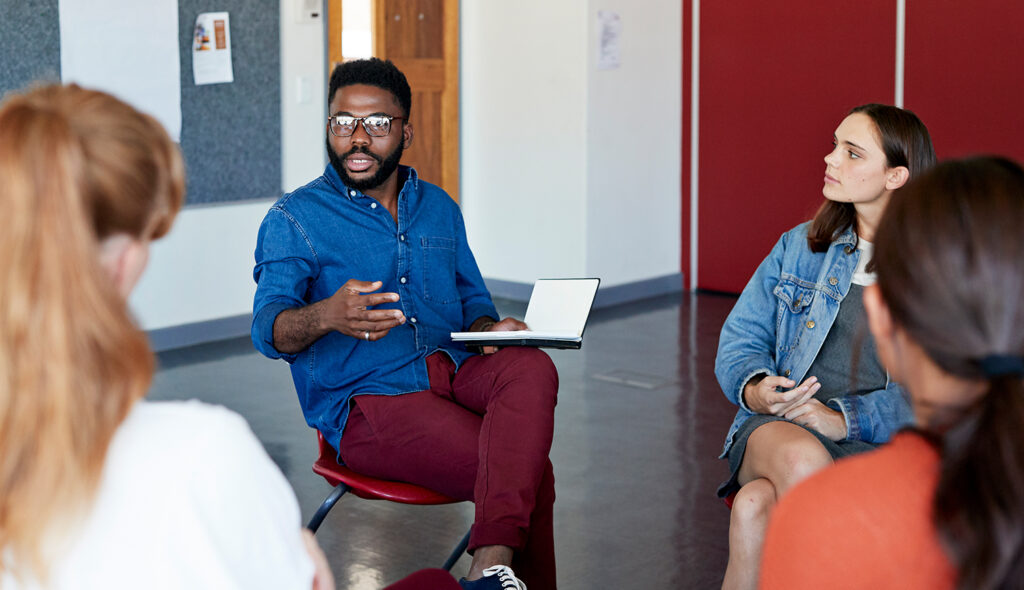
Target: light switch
x: 308, y: 11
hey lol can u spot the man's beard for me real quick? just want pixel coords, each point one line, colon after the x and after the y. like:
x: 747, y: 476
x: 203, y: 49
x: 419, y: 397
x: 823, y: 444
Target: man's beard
x: 385, y: 167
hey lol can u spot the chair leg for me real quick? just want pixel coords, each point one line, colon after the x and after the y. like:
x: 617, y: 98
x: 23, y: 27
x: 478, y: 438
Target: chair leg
x: 321, y: 512
x: 457, y: 553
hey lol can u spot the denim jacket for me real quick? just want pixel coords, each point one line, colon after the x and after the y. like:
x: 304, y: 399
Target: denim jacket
x: 780, y: 322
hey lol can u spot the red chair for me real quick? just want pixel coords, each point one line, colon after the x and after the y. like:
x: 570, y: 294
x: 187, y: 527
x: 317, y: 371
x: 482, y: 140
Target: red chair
x: 345, y: 480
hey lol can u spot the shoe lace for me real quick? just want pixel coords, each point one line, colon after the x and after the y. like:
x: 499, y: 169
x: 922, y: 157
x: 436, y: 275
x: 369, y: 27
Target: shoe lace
x: 506, y: 577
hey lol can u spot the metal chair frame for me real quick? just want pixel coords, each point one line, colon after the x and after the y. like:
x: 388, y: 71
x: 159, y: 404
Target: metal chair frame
x: 345, y: 480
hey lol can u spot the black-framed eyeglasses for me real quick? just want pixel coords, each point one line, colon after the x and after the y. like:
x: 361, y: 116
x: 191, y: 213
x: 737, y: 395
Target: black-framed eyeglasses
x: 373, y: 125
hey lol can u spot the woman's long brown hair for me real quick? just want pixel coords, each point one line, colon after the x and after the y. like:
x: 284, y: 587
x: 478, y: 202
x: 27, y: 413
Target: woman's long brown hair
x: 949, y: 253
x: 905, y: 142
x: 76, y: 166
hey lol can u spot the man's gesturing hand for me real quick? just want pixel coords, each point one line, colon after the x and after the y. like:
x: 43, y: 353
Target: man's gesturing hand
x: 348, y: 311
x: 764, y: 398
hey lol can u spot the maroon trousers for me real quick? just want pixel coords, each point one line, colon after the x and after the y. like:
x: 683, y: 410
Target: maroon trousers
x: 481, y: 434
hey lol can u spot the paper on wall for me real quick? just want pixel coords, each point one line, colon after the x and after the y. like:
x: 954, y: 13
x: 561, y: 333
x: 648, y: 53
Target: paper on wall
x: 211, y: 49
x: 609, y: 33
x: 127, y: 48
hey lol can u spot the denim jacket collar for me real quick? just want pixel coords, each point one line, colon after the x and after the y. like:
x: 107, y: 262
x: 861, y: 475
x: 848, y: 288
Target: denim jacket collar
x: 847, y: 237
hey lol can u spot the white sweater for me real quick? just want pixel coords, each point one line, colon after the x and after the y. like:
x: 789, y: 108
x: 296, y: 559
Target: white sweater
x: 188, y: 499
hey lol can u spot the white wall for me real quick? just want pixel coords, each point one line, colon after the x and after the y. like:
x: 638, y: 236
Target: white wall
x: 634, y: 145
x: 568, y: 170
x: 523, y: 118
x: 203, y: 269
x: 303, y: 98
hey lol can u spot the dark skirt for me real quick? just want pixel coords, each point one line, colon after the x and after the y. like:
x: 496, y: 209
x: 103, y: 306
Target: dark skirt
x: 838, y: 449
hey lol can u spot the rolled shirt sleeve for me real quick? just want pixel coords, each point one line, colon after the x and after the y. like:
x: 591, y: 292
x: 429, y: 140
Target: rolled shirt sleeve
x: 285, y: 264
x: 875, y: 417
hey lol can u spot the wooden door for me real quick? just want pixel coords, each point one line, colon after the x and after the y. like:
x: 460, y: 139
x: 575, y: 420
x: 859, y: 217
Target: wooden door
x: 421, y: 37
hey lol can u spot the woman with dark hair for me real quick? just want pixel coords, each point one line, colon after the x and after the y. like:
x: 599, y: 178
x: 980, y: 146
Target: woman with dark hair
x: 809, y: 389
x: 941, y: 506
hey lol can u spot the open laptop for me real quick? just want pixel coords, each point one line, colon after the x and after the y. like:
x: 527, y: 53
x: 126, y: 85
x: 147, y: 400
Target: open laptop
x: 556, y: 315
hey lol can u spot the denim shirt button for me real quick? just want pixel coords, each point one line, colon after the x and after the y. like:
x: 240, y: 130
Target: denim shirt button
x: 402, y: 280
x: 413, y: 320
x: 810, y: 324
x: 373, y: 205
x: 833, y: 281
x: 401, y: 237
x: 352, y: 193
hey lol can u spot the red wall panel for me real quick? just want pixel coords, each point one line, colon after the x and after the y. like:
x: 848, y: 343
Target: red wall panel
x: 965, y: 74
x: 776, y: 78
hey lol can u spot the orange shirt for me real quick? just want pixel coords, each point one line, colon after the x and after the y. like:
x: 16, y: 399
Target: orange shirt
x: 864, y: 523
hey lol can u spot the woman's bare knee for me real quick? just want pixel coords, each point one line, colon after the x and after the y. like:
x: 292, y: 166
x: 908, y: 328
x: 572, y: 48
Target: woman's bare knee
x: 753, y: 503
x: 783, y: 453
x: 798, y: 459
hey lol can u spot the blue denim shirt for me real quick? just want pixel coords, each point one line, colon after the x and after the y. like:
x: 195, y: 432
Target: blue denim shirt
x: 780, y: 322
x: 318, y: 237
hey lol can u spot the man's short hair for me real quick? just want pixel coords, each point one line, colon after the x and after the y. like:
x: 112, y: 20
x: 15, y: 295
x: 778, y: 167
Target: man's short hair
x: 373, y: 72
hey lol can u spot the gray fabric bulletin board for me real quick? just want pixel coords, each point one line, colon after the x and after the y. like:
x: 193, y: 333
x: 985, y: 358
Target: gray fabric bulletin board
x: 231, y: 133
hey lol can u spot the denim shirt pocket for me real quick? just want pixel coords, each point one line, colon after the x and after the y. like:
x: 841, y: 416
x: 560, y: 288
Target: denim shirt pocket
x: 794, y: 298
x: 439, y: 270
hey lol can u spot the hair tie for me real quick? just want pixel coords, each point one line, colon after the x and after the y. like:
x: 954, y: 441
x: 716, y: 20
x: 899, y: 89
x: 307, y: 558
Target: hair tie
x: 1002, y: 365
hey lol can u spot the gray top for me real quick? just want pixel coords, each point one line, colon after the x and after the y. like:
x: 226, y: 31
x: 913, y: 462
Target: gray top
x: 848, y: 361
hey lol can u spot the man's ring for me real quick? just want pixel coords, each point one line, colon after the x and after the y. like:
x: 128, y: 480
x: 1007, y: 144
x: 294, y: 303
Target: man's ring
x: 366, y: 335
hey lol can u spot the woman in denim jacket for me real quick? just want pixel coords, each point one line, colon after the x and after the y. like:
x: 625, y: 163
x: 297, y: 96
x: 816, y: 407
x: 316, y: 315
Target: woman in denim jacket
x: 792, y: 353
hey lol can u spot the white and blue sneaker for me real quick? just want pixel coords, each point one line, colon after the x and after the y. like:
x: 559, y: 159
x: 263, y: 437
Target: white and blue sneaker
x: 496, y: 577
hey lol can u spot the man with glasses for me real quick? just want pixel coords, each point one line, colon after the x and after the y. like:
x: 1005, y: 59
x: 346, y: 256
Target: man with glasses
x: 361, y: 276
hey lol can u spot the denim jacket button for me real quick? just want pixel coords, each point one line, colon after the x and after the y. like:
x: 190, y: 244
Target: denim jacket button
x: 787, y: 373
x: 810, y: 324
x: 833, y: 281
x: 848, y: 250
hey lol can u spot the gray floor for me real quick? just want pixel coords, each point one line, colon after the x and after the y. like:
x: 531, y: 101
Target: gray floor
x: 639, y: 424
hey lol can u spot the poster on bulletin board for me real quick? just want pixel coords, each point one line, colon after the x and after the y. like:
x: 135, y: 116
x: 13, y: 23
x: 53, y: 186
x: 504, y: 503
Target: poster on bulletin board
x: 211, y: 49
